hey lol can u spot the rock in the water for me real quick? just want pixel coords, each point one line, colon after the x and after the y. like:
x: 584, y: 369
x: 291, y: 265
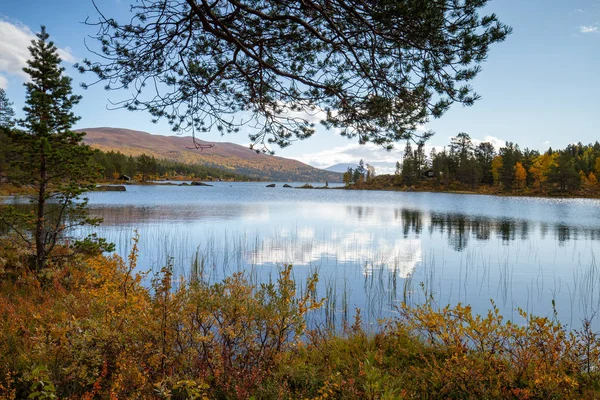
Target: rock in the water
x: 271, y: 185
x: 111, y: 188
x: 286, y: 186
x: 195, y: 183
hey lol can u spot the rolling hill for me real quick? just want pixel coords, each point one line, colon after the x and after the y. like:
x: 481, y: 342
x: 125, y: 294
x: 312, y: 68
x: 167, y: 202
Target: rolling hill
x: 224, y: 155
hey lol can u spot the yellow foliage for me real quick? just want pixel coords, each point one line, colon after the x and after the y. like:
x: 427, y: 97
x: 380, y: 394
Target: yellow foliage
x: 496, y: 168
x: 540, y: 168
x: 488, y: 357
x: 520, y: 175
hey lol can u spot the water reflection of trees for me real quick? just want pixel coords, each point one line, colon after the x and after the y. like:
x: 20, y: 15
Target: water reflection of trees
x: 460, y: 228
x: 114, y: 216
x: 361, y: 212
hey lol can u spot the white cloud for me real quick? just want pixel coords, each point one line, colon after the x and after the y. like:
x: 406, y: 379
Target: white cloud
x: 351, y: 154
x: 496, y: 142
x: 14, y: 40
x: 589, y: 29
x: 384, y: 161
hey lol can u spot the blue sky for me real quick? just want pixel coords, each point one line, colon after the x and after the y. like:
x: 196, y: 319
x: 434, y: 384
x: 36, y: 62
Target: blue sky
x: 540, y: 88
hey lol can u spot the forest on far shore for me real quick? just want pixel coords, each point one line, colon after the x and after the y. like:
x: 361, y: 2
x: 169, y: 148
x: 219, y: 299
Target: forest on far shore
x: 145, y: 167
x: 480, y: 168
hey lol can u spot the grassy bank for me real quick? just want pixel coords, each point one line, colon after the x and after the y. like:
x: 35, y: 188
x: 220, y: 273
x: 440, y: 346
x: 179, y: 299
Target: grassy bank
x: 87, y: 327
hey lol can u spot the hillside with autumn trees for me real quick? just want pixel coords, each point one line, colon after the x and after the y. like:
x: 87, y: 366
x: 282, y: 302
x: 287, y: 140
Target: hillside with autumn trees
x: 144, y: 168
x: 463, y: 165
x: 236, y: 159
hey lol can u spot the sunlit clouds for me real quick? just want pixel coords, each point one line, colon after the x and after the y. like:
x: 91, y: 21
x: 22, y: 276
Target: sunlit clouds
x: 15, y: 39
x: 304, y: 247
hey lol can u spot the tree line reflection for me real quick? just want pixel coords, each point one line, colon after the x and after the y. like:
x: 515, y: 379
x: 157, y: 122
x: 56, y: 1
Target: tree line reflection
x: 457, y: 228
x: 461, y: 228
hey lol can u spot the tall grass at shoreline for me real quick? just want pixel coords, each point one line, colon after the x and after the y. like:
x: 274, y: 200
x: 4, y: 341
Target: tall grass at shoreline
x: 356, y: 273
x: 88, y: 327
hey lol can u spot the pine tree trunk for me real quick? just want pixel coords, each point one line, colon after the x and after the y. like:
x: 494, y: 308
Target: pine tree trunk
x: 40, y: 247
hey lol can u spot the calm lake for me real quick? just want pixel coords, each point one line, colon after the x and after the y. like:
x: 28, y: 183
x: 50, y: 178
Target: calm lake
x: 372, y: 249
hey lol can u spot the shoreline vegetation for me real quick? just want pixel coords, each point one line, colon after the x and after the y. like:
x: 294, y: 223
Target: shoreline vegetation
x: 381, y: 182
x: 94, y: 326
x: 389, y: 183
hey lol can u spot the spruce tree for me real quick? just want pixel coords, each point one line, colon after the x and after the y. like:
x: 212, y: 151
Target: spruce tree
x: 7, y: 114
x: 51, y: 157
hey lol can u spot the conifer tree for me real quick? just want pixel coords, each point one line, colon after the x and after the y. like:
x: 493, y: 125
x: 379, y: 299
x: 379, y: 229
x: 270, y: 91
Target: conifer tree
x: 51, y: 157
x: 7, y: 114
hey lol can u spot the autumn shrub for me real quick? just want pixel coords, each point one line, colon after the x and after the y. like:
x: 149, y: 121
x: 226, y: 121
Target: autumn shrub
x: 350, y: 364
x: 97, y: 327
x: 474, y: 356
x: 84, y: 327
x: 448, y: 353
x: 97, y: 332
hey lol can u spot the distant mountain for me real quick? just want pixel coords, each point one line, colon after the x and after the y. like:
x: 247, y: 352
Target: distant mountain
x: 341, y: 168
x: 381, y: 167
x: 229, y: 156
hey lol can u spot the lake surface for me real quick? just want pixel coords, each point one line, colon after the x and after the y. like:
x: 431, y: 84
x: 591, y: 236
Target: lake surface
x: 372, y: 249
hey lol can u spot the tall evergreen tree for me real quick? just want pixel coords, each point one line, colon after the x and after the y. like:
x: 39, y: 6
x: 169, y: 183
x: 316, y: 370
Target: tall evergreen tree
x: 51, y: 157
x: 7, y: 114
x: 510, y: 155
x: 563, y: 173
x: 409, y: 166
x: 485, y: 153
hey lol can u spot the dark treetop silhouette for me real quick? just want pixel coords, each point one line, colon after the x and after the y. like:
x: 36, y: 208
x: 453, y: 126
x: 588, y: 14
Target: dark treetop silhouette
x: 374, y: 69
